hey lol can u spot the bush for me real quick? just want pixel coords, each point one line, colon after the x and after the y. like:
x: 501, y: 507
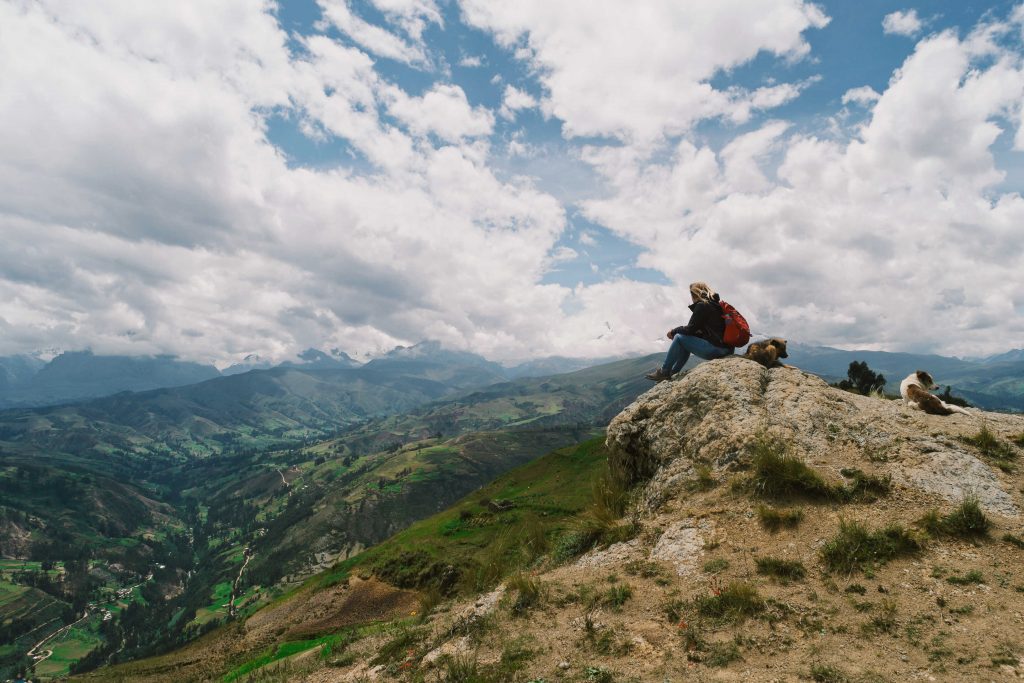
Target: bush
x: 786, y: 570
x: 868, y: 487
x: 966, y: 521
x: 778, y: 474
x: 854, y: 547
x: 774, y: 519
x: 735, y: 603
x: 992, y: 448
x: 528, y: 594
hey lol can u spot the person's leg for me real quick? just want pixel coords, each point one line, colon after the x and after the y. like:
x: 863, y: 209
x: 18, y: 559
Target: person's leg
x: 677, y: 355
x: 702, y: 348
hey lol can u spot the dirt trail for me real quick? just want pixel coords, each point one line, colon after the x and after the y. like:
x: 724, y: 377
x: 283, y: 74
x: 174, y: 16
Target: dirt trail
x: 249, y: 554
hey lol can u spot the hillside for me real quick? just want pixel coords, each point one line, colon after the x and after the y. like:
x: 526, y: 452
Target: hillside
x: 995, y: 383
x: 776, y: 529
x: 296, y: 508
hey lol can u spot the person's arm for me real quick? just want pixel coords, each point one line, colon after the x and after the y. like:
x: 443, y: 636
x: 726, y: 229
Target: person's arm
x: 690, y: 327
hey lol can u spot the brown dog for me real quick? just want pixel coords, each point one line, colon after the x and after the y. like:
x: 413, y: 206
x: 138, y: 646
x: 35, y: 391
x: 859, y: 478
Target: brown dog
x: 768, y: 352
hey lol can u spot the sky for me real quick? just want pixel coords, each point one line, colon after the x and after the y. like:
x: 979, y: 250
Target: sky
x: 520, y: 179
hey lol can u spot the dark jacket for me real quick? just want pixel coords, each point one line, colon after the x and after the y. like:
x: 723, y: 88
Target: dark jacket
x: 706, y: 322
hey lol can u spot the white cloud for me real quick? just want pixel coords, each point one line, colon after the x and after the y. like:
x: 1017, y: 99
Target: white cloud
x: 377, y: 40
x: 413, y: 16
x: 639, y: 75
x: 513, y: 100
x: 864, y: 95
x: 471, y: 61
x: 143, y: 209
x: 832, y: 247
x: 902, y: 23
x: 443, y: 110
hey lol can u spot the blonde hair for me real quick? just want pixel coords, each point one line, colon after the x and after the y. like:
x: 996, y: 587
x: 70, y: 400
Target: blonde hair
x: 701, y: 291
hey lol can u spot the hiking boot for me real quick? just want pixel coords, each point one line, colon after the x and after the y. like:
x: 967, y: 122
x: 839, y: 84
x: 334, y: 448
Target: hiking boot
x: 659, y: 375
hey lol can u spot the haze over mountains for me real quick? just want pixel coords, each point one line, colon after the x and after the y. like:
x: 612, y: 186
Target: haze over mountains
x: 26, y: 381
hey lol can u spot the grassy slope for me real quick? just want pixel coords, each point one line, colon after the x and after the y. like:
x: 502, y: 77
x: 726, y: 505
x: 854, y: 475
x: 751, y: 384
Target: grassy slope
x: 544, y: 494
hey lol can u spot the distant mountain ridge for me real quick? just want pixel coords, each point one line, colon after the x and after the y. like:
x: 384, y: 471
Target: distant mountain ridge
x: 993, y: 382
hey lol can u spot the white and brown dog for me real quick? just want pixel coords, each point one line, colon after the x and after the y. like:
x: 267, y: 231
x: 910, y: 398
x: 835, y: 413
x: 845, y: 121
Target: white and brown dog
x: 914, y: 390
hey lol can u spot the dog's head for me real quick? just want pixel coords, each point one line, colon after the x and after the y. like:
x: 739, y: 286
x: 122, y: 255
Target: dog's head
x: 926, y: 380
x: 780, y: 346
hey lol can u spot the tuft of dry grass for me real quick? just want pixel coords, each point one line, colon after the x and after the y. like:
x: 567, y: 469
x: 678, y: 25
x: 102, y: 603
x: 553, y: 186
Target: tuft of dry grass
x: 854, y: 547
x: 774, y: 519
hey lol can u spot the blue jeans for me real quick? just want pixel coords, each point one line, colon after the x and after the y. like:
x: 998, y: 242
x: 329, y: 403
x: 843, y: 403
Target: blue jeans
x: 683, y: 345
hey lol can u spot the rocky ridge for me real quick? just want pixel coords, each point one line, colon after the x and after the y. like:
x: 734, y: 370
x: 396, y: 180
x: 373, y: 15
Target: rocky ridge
x: 951, y: 611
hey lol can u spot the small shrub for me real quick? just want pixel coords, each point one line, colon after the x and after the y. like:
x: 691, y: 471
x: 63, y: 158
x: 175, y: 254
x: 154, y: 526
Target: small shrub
x: 722, y: 654
x: 854, y: 547
x: 774, y: 519
x: 966, y: 521
x: 778, y: 474
x: 784, y: 570
x: 1018, y: 440
x: 855, y: 588
x: 703, y: 480
x: 734, y: 603
x: 674, y: 611
x: 824, y: 673
x: 430, y: 598
x: 528, y: 594
x: 397, y: 648
x: 866, y: 487
x: 991, y: 447
x: 971, y: 577
x: 643, y: 568
x: 597, y: 674
x: 884, y: 621
x: 716, y: 565
x: 461, y: 670
x: 616, y: 596
x: 1014, y: 540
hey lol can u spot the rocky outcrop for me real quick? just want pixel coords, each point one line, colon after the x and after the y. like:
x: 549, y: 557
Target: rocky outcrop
x: 715, y: 411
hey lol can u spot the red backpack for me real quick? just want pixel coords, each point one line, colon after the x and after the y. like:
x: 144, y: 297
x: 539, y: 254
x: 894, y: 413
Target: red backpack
x: 737, y: 331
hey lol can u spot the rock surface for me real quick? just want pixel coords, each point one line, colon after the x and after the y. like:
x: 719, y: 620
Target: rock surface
x: 713, y: 412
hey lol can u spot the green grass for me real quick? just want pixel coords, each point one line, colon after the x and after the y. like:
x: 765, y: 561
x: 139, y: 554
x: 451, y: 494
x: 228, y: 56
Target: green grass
x: 855, y: 547
x: 716, y: 565
x: 735, y: 603
x: 998, y: 452
x: 966, y: 521
x: 784, y: 570
x: 1014, y: 540
x: 548, y: 496
x: 779, y: 474
x: 774, y: 519
x: 970, y: 578
x: 287, y: 649
x: 826, y: 673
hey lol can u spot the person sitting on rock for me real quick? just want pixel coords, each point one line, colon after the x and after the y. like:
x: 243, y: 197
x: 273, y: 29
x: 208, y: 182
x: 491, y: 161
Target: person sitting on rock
x: 702, y: 336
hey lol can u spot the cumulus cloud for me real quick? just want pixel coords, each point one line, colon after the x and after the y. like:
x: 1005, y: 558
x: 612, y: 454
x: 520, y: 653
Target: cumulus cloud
x: 613, y: 70
x: 864, y: 96
x: 514, y: 99
x: 833, y: 247
x: 371, y: 37
x: 145, y: 211
x: 443, y: 110
x: 144, y: 208
x: 902, y: 23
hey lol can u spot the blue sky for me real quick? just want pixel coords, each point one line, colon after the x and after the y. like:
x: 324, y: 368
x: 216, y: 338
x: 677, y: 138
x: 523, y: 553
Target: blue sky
x: 224, y: 178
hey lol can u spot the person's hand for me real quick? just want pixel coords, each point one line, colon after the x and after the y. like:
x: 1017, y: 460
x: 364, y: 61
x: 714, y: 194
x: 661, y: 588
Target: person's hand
x: 669, y: 334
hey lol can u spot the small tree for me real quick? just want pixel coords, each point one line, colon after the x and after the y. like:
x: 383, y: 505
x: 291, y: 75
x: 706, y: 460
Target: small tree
x: 949, y: 398
x: 861, y: 379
